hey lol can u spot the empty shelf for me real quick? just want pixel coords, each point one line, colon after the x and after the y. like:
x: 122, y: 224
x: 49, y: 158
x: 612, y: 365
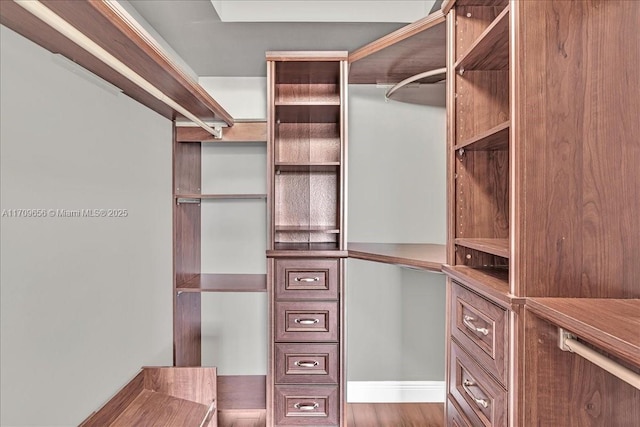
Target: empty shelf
x: 427, y: 256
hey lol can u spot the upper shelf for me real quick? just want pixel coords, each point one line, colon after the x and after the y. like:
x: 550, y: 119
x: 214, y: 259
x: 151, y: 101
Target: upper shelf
x: 611, y: 324
x: 249, y: 131
x: 429, y: 257
x: 110, y: 27
x: 413, y: 49
x: 491, y: 50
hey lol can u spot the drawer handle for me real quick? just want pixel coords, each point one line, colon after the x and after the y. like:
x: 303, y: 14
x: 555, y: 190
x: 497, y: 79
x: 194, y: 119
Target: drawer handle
x: 481, y: 402
x: 307, y: 321
x: 307, y: 279
x: 468, y: 322
x: 306, y: 363
x: 306, y: 406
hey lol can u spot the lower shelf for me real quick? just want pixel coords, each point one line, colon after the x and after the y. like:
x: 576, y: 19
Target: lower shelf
x: 225, y: 283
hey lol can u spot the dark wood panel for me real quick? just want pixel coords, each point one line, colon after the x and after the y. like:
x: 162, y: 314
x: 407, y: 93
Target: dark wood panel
x: 471, y: 22
x: 306, y: 279
x: 241, y: 392
x: 194, y: 384
x: 308, y: 113
x: 102, y: 23
x: 225, y: 283
x: 563, y: 389
x: 306, y: 405
x: 304, y: 321
x: 496, y: 138
x: 306, y: 364
x: 151, y: 409
x: 187, y: 167
x: 577, y: 170
x: 499, y: 247
x: 417, y: 255
x: 482, y: 195
x: 307, y: 142
x: 187, y: 329
x: 187, y: 225
x: 240, y: 132
x: 413, y: 49
x: 492, y: 283
x: 306, y: 250
x: 610, y: 324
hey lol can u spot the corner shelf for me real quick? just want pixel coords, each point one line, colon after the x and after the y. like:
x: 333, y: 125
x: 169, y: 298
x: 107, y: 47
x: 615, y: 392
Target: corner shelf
x: 499, y: 247
x: 423, y: 256
x: 491, y: 50
x: 225, y: 283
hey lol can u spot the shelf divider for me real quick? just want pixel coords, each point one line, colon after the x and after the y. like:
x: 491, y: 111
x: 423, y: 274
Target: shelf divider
x: 496, y: 138
x: 499, y: 247
x: 225, y: 283
x: 491, y: 50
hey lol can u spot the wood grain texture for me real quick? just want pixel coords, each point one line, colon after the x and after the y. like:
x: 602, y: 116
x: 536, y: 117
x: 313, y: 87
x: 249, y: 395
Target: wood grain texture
x: 194, y: 384
x: 187, y: 329
x: 225, y: 283
x: 187, y: 167
x: 307, y: 364
x: 291, y: 317
x: 395, y: 415
x: 417, y: 255
x: 492, y: 283
x: 100, y: 22
x: 306, y: 279
x: 289, y: 399
x: 577, y: 166
x: 563, y: 389
x: 499, y: 247
x: 455, y: 417
x: 152, y: 409
x: 308, y: 142
x: 612, y: 325
x: 308, y: 113
x: 241, y: 392
x: 413, y: 49
x: 471, y: 22
x: 244, y: 418
x: 490, y: 51
x: 240, y: 132
x: 313, y: 55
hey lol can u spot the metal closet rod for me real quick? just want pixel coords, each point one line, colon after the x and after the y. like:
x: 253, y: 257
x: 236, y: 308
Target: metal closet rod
x: 569, y: 342
x: 414, y: 78
x: 69, y: 31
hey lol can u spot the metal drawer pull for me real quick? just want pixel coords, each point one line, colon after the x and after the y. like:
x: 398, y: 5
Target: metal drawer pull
x: 307, y: 321
x: 468, y: 322
x: 306, y: 406
x: 307, y: 279
x: 306, y: 363
x: 482, y: 402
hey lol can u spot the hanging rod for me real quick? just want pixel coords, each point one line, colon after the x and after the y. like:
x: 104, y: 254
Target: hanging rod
x: 439, y: 74
x: 569, y: 342
x: 69, y: 31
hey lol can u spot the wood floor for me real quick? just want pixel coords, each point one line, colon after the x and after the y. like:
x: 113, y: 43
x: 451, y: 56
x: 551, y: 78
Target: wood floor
x: 366, y: 415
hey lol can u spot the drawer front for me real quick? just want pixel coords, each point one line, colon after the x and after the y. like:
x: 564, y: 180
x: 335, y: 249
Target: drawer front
x: 307, y: 279
x: 306, y: 363
x: 455, y: 418
x: 477, y: 393
x: 306, y: 405
x: 306, y: 321
x: 481, y: 328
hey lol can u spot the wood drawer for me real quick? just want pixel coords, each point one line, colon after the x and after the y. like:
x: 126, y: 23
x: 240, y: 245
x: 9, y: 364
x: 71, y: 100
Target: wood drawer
x: 481, y: 328
x: 307, y: 279
x: 306, y: 405
x: 306, y: 363
x: 304, y: 321
x: 455, y: 418
x: 478, y: 394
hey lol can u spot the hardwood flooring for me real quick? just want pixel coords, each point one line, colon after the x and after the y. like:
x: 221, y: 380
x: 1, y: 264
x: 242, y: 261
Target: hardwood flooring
x: 364, y: 415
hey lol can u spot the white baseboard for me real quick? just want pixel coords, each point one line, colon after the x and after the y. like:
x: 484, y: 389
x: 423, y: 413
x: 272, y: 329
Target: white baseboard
x: 395, y: 391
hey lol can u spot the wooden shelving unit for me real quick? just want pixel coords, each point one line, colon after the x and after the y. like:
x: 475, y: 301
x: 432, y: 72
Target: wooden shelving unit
x: 306, y: 248
x: 224, y: 283
x: 490, y: 51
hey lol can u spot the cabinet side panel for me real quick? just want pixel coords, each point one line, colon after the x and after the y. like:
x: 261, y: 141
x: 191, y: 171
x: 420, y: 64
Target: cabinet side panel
x: 577, y: 136
x: 563, y: 389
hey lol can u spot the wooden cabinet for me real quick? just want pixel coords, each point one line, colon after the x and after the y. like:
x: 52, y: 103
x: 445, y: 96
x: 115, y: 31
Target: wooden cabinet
x: 306, y: 249
x: 538, y: 203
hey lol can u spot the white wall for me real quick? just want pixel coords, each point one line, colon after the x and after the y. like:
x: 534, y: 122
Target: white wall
x: 85, y: 302
x: 397, y: 194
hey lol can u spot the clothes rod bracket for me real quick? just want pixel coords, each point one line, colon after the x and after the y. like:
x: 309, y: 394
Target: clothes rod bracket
x: 187, y: 200
x: 569, y: 342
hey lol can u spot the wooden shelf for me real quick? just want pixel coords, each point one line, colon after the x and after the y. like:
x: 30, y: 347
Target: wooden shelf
x: 491, y: 50
x: 163, y: 397
x: 404, y: 53
x: 493, y: 283
x: 429, y: 257
x: 499, y: 247
x: 496, y: 138
x: 225, y: 283
x: 220, y: 196
x: 306, y: 103
x: 307, y: 166
x: 249, y: 131
x: 612, y: 325
x: 106, y: 25
x: 290, y: 249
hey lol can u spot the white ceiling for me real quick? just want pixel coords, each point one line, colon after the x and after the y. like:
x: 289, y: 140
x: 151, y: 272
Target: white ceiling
x: 212, y: 47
